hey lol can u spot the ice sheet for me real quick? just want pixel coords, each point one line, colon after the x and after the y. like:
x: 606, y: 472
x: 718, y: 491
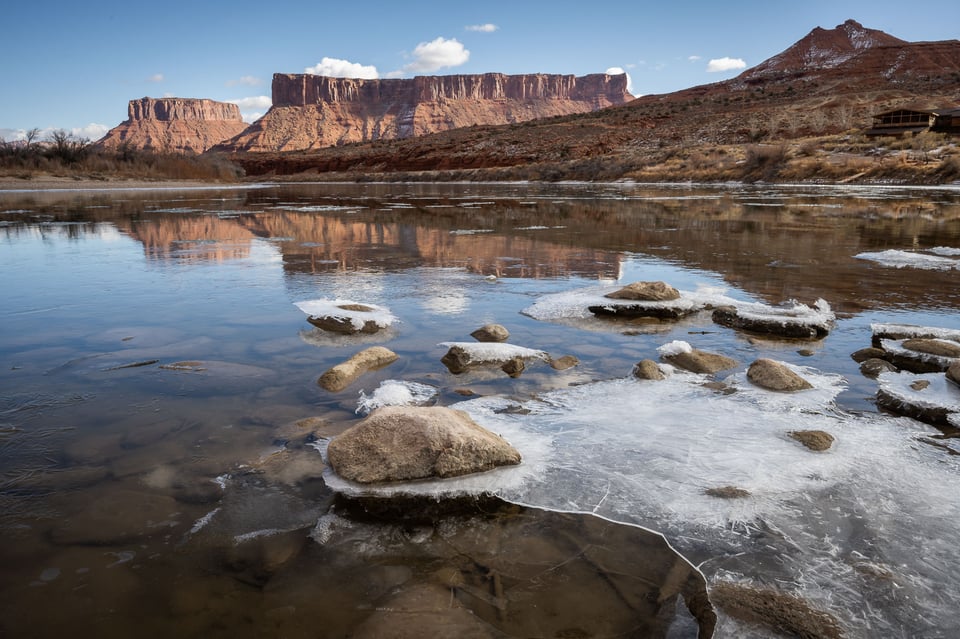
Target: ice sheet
x: 938, y: 259
x: 822, y: 524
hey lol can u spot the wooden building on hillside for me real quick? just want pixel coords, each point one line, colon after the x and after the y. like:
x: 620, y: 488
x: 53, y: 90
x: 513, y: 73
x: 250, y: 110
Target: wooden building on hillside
x: 905, y: 121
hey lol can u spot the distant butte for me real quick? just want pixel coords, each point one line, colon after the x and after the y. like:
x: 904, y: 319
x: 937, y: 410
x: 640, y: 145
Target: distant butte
x: 175, y: 125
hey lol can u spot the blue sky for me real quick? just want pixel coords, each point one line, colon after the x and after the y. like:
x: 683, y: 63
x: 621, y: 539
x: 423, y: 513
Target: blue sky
x: 74, y: 66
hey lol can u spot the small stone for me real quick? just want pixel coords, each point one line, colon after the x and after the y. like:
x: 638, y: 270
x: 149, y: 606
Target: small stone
x: 648, y: 369
x: 457, y: 359
x: 727, y: 492
x: 817, y: 440
x: 864, y: 354
x: 776, y: 376
x: 491, y: 333
x: 920, y: 384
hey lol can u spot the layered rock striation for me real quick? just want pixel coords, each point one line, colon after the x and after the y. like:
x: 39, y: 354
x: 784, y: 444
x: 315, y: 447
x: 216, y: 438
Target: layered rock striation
x: 311, y: 111
x: 175, y: 125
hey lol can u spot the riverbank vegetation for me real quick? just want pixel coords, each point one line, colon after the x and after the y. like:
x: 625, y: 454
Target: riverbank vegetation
x: 63, y: 155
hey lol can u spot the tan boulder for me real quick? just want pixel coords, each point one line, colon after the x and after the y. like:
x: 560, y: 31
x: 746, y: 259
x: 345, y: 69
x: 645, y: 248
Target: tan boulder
x: 345, y: 323
x: 396, y: 443
x: 564, y: 362
x: 776, y: 376
x: 342, y: 375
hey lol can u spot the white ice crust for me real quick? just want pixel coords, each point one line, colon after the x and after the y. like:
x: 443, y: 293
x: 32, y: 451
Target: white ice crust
x: 937, y: 259
x: 481, y: 352
x: 394, y: 392
x: 896, y: 347
x: 575, y: 305
x: 332, y: 308
x: 912, y: 330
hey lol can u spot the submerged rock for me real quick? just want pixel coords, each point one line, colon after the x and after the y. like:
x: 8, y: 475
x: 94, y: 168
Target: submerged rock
x: 646, y: 291
x: 491, y: 333
x: 514, y: 367
x: 564, y: 362
x: 781, y: 613
x: 396, y: 443
x: 342, y: 375
x: 776, y: 376
x: 727, y: 492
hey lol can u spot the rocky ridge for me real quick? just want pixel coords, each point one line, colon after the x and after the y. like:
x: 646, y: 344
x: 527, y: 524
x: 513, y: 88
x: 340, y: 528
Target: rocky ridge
x: 175, y: 125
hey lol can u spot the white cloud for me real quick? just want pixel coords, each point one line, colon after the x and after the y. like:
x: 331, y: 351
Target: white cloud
x: 92, y: 131
x: 336, y: 68
x: 253, y: 107
x: 621, y: 71
x: 436, y: 54
x: 156, y: 77
x: 725, y: 64
x: 246, y: 80
x: 693, y: 58
x: 482, y: 28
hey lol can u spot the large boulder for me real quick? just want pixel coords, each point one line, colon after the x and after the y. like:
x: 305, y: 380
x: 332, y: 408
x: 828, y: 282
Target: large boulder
x: 941, y: 347
x: 776, y: 376
x: 646, y: 292
x: 397, y: 443
x: 342, y: 375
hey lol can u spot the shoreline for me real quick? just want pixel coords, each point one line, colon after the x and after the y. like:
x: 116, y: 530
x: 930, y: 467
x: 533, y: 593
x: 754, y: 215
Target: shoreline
x: 55, y: 183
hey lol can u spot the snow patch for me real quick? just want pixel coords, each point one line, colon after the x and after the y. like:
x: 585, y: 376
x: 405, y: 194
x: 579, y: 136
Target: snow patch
x: 938, y: 259
x: 481, y: 352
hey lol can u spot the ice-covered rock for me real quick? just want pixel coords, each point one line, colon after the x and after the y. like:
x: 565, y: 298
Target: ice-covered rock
x: 346, y: 316
x: 462, y: 355
x: 920, y: 355
x: 931, y: 401
x: 907, y: 331
x: 794, y: 321
x: 396, y: 443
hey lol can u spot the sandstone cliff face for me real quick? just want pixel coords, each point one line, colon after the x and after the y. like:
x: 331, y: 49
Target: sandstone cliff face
x: 175, y: 125
x: 312, y: 111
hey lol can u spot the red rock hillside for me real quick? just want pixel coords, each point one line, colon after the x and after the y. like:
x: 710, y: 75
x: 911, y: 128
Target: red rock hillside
x: 311, y: 111
x: 175, y: 125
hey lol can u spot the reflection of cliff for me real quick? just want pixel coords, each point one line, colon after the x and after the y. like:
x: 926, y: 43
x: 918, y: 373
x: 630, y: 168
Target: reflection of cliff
x: 194, y: 239
x: 389, y: 241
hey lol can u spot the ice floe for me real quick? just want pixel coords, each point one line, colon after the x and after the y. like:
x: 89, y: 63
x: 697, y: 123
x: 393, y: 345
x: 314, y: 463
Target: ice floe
x: 936, y: 259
